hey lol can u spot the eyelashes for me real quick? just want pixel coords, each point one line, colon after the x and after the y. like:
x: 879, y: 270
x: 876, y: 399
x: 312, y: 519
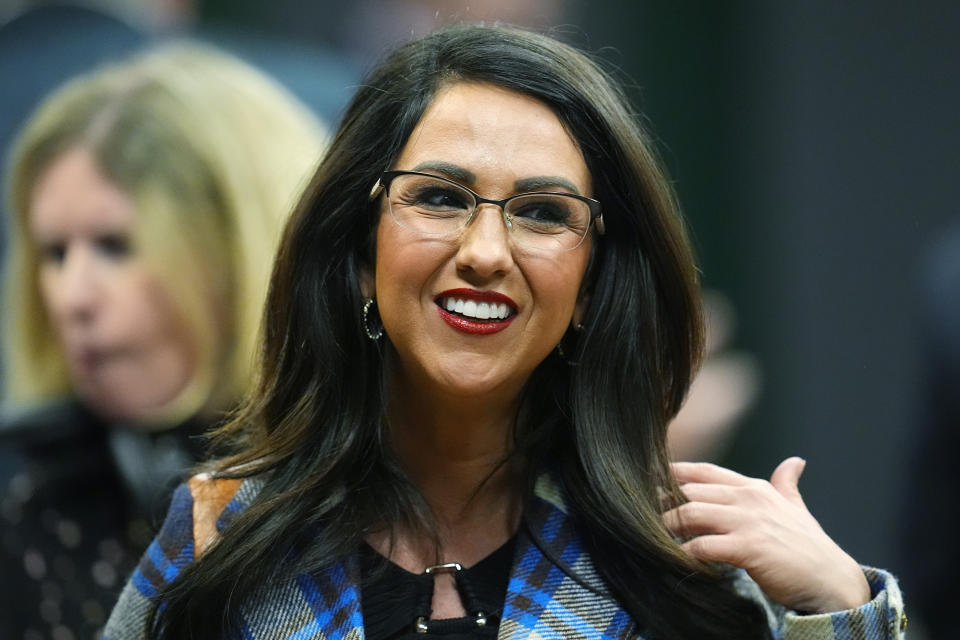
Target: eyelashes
x: 112, y: 246
x: 116, y: 246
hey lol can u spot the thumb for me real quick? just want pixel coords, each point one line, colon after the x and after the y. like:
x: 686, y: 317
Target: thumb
x: 786, y: 477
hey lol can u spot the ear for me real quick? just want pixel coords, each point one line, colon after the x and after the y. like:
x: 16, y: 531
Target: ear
x: 368, y: 283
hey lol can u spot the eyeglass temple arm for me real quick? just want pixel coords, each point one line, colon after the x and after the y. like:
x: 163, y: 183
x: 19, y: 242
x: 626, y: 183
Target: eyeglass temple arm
x: 376, y: 189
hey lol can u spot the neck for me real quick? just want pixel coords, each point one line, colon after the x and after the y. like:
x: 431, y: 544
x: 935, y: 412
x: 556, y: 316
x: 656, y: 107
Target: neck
x: 457, y: 451
x: 449, y: 445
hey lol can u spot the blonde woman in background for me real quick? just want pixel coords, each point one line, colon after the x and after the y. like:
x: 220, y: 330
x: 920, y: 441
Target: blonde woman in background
x: 147, y: 200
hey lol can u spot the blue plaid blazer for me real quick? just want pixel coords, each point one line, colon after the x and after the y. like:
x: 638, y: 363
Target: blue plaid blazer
x: 554, y: 591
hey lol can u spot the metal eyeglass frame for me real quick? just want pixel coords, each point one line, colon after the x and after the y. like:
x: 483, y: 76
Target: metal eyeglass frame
x: 596, y: 209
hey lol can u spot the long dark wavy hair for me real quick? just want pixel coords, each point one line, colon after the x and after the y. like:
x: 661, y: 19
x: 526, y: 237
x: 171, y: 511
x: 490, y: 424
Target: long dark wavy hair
x: 313, y: 429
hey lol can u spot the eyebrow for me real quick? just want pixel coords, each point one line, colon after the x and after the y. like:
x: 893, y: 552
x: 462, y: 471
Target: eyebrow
x: 544, y: 183
x: 450, y: 170
x: 537, y: 183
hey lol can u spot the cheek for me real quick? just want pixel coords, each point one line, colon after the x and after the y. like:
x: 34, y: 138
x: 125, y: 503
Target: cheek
x: 47, y: 286
x: 397, y: 292
x: 404, y: 268
x: 556, y: 283
x: 53, y: 303
x: 149, y: 313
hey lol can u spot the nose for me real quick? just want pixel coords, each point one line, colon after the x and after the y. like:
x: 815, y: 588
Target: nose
x: 485, y: 249
x: 73, y: 289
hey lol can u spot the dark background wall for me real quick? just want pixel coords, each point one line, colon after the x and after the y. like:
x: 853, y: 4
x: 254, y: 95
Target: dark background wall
x: 815, y: 148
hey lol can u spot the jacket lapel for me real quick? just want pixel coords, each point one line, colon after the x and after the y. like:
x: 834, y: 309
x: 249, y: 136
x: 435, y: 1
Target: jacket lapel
x: 320, y: 606
x: 554, y: 590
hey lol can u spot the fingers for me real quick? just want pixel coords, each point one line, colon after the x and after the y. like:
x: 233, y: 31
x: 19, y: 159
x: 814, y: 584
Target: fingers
x: 714, y: 548
x: 713, y: 493
x: 720, y: 500
x: 699, y: 518
x: 725, y: 505
x: 705, y: 472
x: 764, y: 528
x: 786, y: 477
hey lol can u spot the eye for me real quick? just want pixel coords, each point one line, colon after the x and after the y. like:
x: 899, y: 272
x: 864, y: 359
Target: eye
x: 113, y: 246
x: 439, y: 198
x: 542, y: 210
x: 429, y: 195
x: 53, y: 252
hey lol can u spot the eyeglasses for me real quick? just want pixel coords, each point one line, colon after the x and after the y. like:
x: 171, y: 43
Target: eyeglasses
x: 435, y: 206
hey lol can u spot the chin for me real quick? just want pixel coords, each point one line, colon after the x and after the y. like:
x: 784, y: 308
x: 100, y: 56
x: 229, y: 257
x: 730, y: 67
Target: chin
x: 126, y: 408
x: 477, y: 381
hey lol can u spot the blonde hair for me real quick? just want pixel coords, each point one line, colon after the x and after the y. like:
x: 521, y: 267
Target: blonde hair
x: 214, y: 155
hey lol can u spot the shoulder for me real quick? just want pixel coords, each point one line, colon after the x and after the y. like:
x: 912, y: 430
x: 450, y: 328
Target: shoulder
x: 171, y: 551
x: 210, y: 497
x: 215, y: 501
x: 47, y: 423
x: 56, y: 446
x: 199, y: 509
x: 195, y: 516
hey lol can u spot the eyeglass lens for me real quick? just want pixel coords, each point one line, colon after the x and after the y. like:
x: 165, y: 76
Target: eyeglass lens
x: 435, y: 206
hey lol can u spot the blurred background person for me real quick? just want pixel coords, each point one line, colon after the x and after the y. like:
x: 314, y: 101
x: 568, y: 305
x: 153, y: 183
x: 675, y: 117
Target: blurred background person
x: 39, y: 50
x: 43, y: 44
x: 146, y: 202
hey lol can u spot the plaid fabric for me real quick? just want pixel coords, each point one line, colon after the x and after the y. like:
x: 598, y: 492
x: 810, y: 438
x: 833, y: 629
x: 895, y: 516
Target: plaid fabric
x: 881, y: 618
x: 554, y: 591
x: 164, y: 559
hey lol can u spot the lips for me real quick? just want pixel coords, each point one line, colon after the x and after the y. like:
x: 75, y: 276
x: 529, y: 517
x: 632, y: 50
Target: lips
x: 89, y: 359
x: 477, y: 312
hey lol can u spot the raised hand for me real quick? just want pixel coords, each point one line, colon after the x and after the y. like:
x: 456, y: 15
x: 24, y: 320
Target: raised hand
x: 764, y: 527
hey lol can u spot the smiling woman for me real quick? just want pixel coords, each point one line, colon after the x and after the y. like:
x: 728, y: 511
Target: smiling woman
x: 493, y: 139
x: 482, y: 317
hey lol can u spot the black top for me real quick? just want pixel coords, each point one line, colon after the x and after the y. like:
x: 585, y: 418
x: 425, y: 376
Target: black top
x: 80, y: 500
x: 393, y: 598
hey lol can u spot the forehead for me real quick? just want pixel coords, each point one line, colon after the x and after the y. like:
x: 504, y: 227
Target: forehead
x: 495, y: 133
x: 72, y: 195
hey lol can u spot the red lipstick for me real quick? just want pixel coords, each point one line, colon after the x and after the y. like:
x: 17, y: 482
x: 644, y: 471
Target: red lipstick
x: 476, y: 326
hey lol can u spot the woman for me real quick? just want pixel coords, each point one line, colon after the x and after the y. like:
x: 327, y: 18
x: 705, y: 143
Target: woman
x: 482, y: 316
x: 147, y: 199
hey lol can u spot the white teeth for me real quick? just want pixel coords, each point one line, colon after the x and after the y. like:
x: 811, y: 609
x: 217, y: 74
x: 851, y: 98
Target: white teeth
x: 478, y: 310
